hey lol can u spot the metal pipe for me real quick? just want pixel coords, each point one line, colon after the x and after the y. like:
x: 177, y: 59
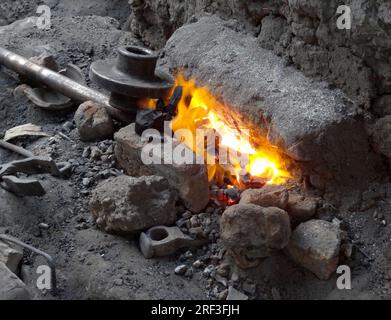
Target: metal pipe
x: 14, y: 148
x: 58, y: 82
x: 47, y: 257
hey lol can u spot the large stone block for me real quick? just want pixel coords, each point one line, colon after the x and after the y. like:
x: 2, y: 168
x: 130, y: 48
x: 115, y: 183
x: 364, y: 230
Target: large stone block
x: 251, y: 232
x: 190, y: 180
x: 128, y: 205
x: 309, y: 121
x: 315, y: 245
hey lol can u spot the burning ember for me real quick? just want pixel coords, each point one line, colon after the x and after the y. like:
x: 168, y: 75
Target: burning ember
x: 235, y: 153
x: 199, y: 109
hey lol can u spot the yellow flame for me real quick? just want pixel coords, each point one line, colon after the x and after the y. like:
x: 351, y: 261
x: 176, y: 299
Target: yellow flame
x: 198, y: 108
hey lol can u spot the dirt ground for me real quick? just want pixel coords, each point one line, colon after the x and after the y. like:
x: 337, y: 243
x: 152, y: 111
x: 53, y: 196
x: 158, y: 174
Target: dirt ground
x: 94, y: 265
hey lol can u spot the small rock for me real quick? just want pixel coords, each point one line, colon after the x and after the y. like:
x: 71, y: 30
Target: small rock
x: 95, y: 153
x: 43, y: 226
x: 93, y: 122
x: 187, y: 215
x: 253, y: 232
x: 67, y: 126
x: 315, y: 245
x: 180, y: 270
x: 234, y: 294
x: 198, y: 264
x: 197, y: 233
x: 128, y: 205
x: 268, y: 196
x: 86, y: 152
x: 194, y: 222
x: 301, y: 208
x: 208, y: 270
x: 86, y: 182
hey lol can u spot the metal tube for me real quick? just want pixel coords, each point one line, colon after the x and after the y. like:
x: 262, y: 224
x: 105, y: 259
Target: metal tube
x: 47, y: 257
x: 58, y: 82
x: 14, y: 148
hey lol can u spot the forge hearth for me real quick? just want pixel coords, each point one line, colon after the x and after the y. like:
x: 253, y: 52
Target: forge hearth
x: 317, y: 126
x: 268, y: 200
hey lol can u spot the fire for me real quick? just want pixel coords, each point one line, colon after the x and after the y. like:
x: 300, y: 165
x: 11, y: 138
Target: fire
x: 199, y: 109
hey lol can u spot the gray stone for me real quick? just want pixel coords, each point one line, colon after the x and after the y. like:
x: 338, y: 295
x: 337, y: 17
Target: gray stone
x: 190, y: 180
x: 181, y: 270
x: 268, y: 196
x: 301, y: 208
x: 251, y: 232
x: 10, y: 255
x: 93, y: 122
x: 315, y: 245
x: 297, y: 114
x: 11, y: 287
x: 234, y: 294
x: 128, y: 205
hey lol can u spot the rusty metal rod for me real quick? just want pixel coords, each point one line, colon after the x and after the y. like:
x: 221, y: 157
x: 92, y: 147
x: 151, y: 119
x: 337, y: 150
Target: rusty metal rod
x: 14, y: 148
x: 58, y: 82
x: 49, y: 259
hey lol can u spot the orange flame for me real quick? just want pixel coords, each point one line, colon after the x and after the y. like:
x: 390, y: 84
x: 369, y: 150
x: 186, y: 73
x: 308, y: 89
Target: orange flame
x: 199, y: 109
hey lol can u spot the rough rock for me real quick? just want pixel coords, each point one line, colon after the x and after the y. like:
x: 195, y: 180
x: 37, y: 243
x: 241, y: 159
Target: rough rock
x: 297, y: 114
x: 190, y: 180
x: 93, y: 122
x: 253, y: 232
x: 128, y: 205
x: 234, y: 294
x: 315, y: 245
x: 10, y: 255
x: 381, y: 136
x: 11, y: 287
x: 301, y: 208
x: 268, y: 196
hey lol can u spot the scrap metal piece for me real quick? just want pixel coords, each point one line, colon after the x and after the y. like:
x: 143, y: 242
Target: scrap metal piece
x: 149, y: 119
x: 162, y: 241
x: 23, y: 187
x: 33, y: 165
x: 154, y: 118
x: 49, y: 259
x: 49, y: 99
x: 60, y: 83
x: 28, y: 129
x: 131, y: 77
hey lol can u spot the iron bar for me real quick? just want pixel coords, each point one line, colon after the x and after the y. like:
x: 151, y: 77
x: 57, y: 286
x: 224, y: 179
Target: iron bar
x: 58, y: 82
